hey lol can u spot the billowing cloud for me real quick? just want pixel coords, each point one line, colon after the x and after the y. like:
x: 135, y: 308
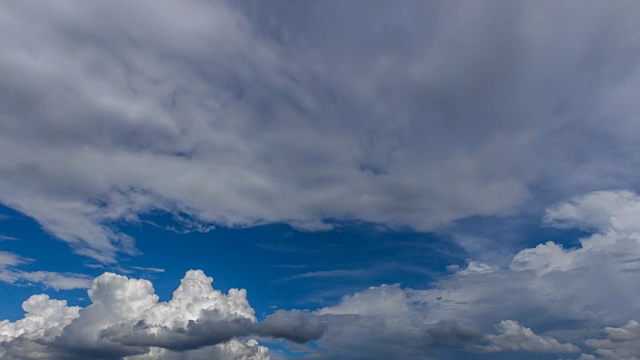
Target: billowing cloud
x: 599, y: 211
x: 620, y: 342
x: 414, y: 114
x: 126, y: 320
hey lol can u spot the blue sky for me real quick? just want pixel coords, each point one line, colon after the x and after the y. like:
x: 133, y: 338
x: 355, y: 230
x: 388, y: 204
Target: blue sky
x: 319, y: 180
x: 290, y: 268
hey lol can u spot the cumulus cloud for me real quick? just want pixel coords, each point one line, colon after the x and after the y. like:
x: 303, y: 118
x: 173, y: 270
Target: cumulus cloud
x: 406, y: 328
x: 547, y: 299
x: 514, y: 337
x: 620, y: 342
x: 126, y: 320
x: 599, y: 211
x: 242, y: 114
x: 44, y: 318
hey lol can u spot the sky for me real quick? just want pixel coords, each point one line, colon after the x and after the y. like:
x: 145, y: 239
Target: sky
x: 319, y: 180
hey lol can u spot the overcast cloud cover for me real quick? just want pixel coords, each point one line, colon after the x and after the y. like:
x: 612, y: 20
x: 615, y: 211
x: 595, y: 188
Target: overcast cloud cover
x: 410, y: 115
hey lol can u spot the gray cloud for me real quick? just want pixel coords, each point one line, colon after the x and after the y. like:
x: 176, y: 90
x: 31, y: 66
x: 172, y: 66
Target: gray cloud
x: 208, y: 331
x: 455, y: 332
x: 414, y: 114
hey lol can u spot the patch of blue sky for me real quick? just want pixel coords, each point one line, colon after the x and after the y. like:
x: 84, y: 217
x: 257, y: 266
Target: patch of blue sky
x: 285, y: 268
x: 280, y: 267
x: 42, y: 253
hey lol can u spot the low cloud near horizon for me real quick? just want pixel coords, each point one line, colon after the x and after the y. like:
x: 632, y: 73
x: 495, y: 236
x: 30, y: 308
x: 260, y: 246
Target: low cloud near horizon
x: 481, y: 308
x: 125, y: 320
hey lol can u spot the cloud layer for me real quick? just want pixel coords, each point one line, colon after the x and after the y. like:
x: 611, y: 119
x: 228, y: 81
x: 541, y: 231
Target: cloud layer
x: 125, y: 320
x: 414, y: 114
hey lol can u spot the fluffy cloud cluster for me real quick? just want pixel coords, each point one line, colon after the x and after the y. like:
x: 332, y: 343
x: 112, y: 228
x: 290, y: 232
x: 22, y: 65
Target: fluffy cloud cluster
x: 414, y: 114
x: 552, y: 282
x: 573, y: 295
x: 126, y: 320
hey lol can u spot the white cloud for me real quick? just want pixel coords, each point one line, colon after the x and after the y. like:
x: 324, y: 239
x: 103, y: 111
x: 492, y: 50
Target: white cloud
x: 126, y: 320
x: 114, y: 109
x: 599, y: 211
x: 620, y: 343
x: 10, y: 259
x: 57, y: 281
x: 514, y: 337
x: 386, y: 299
x: 53, y: 280
x: 149, y: 269
x: 42, y: 317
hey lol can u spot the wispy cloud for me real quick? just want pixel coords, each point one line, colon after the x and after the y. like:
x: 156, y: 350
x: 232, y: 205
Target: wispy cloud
x: 10, y: 273
x: 327, y: 274
x: 8, y: 259
x: 358, y: 273
x: 149, y: 269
